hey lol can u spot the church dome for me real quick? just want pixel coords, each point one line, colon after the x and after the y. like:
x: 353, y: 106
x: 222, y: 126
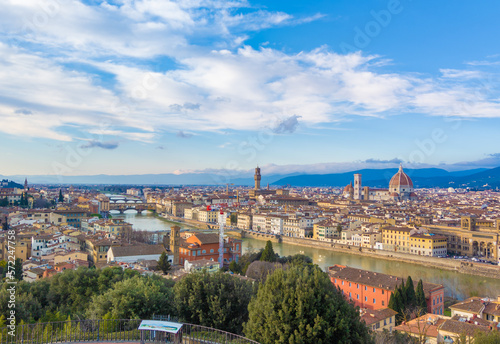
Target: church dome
x: 400, y: 179
x: 348, y: 188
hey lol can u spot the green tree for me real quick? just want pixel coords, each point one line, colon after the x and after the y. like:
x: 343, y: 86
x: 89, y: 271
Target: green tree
x: 268, y: 254
x: 18, y: 269
x: 4, y: 202
x: 339, y: 229
x: 411, y: 298
x: 234, y: 267
x: 396, y: 304
x: 134, y: 298
x: 301, y: 305
x: 421, y: 303
x: 163, y: 263
x: 5, y: 224
x: 216, y: 300
x: 61, y: 197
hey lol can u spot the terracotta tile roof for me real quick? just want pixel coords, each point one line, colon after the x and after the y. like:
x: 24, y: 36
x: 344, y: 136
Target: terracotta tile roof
x: 139, y: 250
x: 374, y: 316
x: 374, y: 279
x: 472, y: 305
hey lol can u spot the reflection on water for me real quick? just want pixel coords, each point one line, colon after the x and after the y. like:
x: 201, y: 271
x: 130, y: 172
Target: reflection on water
x: 457, y: 285
x: 147, y: 221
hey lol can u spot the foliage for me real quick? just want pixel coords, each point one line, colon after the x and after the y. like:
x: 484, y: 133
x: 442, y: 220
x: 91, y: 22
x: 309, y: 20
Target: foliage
x: 215, y: 300
x: 163, y: 263
x: 268, y: 254
x: 61, y: 197
x: 301, y: 305
x: 234, y: 267
x: 247, y: 258
x: 134, y: 298
x: 69, y: 292
x: 421, y: 303
x: 5, y: 224
x: 411, y: 298
x: 298, y: 259
x: 18, y: 269
x: 4, y: 202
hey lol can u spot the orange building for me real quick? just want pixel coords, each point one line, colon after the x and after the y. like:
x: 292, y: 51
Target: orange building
x: 373, y: 290
x: 206, y: 246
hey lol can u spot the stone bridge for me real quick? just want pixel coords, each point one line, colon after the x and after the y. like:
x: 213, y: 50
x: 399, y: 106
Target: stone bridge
x: 139, y: 207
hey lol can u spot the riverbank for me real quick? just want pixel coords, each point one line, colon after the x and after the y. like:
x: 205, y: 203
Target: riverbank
x: 476, y: 269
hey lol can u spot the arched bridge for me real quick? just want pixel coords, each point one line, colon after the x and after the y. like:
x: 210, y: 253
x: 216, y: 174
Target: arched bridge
x: 139, y: 207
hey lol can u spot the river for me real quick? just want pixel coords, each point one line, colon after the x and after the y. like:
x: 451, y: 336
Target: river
x: 459, y: 286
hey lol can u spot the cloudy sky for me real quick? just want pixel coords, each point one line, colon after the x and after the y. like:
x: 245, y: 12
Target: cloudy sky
x: 158, y: 86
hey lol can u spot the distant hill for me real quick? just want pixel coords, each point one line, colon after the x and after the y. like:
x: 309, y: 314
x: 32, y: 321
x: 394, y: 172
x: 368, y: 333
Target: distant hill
x: 425, y: 177
x: 4, y: 183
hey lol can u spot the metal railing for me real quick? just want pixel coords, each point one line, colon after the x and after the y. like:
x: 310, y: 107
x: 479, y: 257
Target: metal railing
x: 113, y: 331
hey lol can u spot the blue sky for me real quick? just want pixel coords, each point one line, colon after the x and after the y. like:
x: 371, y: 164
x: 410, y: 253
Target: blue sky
x: 157, y: 86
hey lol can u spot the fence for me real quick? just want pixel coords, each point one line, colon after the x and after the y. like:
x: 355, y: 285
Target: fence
x: 113, y: 331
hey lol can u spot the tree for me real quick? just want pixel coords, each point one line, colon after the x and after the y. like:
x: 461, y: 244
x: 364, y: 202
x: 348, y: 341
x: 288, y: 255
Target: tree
x: 420, y: 297
x: 163, y: 263
x: 301, y: 305
x: 268, y: 254
x: 411, y: 298
x: 396, y: 304
x: 18, y: 269
x: 134, y: 298
x: 5, y: 224
x: 216, y: 300
x: 61, y: 197
x: 4, y: 202
x: 339, y: 229
x: 234, y: 267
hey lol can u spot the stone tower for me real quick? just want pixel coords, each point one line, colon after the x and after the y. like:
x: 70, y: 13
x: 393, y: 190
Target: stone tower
x: 26, y: 184
x: 469, y: 223
x: 257, y: 178
x: 357, y: 186
x: 174, y: 243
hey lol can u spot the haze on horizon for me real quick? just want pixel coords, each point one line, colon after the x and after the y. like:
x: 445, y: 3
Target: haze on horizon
x: 151, y: 86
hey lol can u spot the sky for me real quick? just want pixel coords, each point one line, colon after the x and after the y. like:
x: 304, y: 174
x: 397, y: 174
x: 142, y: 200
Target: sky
x: 157, y: 86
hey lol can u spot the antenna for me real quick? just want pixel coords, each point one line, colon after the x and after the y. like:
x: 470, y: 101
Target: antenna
x: 222, y: 220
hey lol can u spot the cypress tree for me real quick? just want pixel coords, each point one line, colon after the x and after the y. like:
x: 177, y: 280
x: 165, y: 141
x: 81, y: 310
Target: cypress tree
x: 420, y: 297
x: 268, y: 254
x: 61, y: 197
x: 402, y: 292
x: 411, y: 298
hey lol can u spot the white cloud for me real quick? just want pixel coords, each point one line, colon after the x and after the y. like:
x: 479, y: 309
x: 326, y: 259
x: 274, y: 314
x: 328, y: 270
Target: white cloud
x: 210, y: 88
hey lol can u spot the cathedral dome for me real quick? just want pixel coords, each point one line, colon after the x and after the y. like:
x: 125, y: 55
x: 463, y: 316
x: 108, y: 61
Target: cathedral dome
x: 348, y: 188
x: 400, y: 179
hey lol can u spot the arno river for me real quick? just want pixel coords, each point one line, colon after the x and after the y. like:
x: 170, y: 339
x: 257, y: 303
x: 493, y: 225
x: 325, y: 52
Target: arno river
x: 459, y: 286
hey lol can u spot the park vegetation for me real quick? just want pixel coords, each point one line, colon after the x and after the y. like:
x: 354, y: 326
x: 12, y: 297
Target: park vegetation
x: 295, y: 302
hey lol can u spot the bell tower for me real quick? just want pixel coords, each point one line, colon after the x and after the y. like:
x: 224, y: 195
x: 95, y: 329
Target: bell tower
x: 257, y: 178
x: 174, y: 243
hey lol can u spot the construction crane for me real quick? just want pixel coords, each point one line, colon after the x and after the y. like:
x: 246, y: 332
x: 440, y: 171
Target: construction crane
x: 222, y: 221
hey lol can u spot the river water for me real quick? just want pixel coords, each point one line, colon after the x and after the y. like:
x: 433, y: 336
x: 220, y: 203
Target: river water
x: 459, y: 286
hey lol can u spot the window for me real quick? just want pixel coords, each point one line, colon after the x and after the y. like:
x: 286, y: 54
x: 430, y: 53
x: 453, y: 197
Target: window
x: 365, y: 287
x: 342, y: 282
x: 373, y: 289
x: 203, y: 251
x: 385, y: 322
x: 350, y: 294
x: 212, y: 250
x: 366, y: 298
x: 357, y: 286
x: 390, y: 320
x: 349, y: 284
x: 383, y: 303
x: 373, y: 301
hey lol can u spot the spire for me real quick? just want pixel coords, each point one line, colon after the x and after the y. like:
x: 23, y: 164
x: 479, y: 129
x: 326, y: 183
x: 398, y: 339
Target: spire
x: 400, y: 167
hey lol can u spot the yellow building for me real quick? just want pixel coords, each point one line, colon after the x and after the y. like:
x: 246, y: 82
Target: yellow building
x: 428, y: 245
x: 22, y: 249
x: 69, y: 256
x: 325, y: 229
x: 396, y: 238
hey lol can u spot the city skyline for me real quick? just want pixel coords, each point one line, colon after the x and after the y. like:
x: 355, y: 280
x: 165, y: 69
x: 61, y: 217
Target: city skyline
x: 137, y: 87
